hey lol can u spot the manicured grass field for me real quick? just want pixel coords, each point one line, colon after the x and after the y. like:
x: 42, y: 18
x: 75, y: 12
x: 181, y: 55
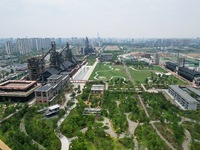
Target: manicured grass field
x: 107, y: 70
x: 91, y: 59
x: 158, y: 68
x: 141, y: 75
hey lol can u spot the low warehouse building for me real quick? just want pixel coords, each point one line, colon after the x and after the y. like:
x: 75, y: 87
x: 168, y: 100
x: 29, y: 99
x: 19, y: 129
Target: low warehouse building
x: 183, y: 98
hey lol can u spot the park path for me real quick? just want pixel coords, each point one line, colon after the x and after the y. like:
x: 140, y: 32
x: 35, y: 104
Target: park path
x: 131, y: 127
x: 63, y: 139
x: 111, y: 130
x: 9, y: 116
x: 154, y: 127
x: 23, y: 129
x: 65, y: 142
x: 147, y: 114
x: 187, y: 140
x: 128, y: 73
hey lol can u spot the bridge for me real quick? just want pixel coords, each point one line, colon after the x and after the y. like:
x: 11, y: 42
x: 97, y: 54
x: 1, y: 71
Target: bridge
x: 78, y: 81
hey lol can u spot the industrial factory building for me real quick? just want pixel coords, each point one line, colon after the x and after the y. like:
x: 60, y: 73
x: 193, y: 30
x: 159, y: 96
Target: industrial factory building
x: 48, y: 92
x: 191, y: 75
x: 62, y: 61
x: 183, y: 98
x: 171, y: 66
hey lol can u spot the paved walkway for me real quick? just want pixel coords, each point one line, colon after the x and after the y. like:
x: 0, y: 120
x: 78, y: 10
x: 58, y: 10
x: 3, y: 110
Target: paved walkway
x: 187, y: 140
x: 2, y: 120
x: 23, y: 129
x: 131, y: 127
x: 154, y: 127
x: 64, y: 140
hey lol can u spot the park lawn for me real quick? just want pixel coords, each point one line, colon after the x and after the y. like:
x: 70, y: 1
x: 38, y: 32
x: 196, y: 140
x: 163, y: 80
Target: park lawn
x: 158, y: 68
x: 140, y: 75
x: 180, y: 82
x: 104, y: 70
x: 118, y: 145
x: 91, y: 60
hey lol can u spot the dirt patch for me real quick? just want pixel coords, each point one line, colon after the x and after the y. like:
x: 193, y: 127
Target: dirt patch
x: 195, y: 55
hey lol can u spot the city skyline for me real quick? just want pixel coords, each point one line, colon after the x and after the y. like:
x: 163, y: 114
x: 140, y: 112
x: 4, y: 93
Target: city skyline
x: 113, y: 18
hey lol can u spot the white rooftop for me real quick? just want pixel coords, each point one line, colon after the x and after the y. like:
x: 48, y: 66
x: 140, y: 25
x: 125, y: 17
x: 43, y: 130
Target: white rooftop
x: 54, y: 107
x: 98, y: 87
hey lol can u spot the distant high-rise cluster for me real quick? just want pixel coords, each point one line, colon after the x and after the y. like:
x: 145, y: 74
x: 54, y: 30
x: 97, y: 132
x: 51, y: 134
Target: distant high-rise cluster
x: 9, y: 47
x: 26, y: 45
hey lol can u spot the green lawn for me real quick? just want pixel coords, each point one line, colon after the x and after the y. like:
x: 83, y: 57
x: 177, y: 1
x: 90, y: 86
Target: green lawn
x: 107, y: 70
x: 91, y: 59
x: 158, y: 68
x: 141, y: 75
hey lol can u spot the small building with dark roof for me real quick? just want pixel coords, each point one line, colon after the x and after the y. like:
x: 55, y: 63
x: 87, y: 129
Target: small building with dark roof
x: 106, y: 57
x: 49, y: 72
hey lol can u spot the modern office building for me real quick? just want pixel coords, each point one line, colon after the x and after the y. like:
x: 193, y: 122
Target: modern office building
x: 183, y: 98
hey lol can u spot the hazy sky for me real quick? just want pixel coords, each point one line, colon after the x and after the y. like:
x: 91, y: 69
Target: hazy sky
x: 109, y: 18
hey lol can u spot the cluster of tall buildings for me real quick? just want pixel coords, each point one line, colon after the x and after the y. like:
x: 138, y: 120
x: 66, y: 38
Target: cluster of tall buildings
x: 26, y: 45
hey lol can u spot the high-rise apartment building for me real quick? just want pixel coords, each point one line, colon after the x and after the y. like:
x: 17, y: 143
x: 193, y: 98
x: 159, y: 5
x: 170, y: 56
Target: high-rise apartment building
x: 156, y: 59
x: 23, y: 45
x: 9, y: 47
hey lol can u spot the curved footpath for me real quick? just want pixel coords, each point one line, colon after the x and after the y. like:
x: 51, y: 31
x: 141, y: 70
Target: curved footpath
x: 131, y: 127
x: 23, y: 129
x: 63, y: 139
x: 187, y: 140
